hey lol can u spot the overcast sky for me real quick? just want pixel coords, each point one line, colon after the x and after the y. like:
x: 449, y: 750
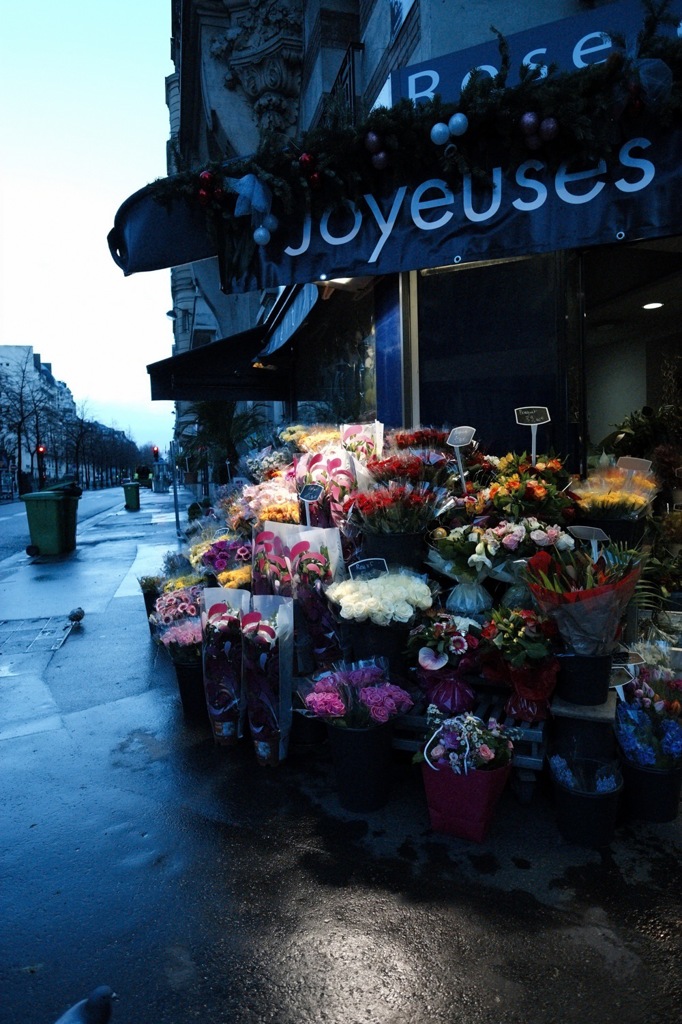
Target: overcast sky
x: 84, y: 124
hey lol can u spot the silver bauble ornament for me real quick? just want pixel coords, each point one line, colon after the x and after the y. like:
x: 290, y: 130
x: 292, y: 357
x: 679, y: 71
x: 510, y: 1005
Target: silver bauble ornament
x: 440, y: 133
x: 458, y: 124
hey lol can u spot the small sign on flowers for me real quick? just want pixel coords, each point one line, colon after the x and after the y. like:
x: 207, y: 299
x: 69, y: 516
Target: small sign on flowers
x: 532, y: 416
x: 458, y: 438
x: 592, y: 534
x: 367, y: 568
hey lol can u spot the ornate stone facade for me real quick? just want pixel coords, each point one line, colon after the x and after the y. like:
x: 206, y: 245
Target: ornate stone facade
x: 263, y: 51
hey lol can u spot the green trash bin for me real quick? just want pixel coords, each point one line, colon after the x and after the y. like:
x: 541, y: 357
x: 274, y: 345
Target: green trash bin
x: 52, y: 519
x: 132, y: 496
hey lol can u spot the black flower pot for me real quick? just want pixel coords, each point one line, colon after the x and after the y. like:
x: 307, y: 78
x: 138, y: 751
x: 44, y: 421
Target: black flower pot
x: 587, y: 818
x: 362, y: 765
x: 583, y: 679
x: 651, y: 794
x: 190, y: 678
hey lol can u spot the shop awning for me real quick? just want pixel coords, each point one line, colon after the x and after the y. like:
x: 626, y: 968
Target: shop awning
x: 225, y: 370
x: 431, y: 217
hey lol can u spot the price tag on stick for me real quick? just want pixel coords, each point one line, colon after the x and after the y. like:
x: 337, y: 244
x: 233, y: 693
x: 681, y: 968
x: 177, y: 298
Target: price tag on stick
x: 309, y: 494
x: 367, y: 568
x: 532, y: 416
x: 459, y: 438
x: 591, y: 533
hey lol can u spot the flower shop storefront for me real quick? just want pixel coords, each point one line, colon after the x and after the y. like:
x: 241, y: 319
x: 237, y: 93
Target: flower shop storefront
x: 507, y: 225
x: 463, y: 587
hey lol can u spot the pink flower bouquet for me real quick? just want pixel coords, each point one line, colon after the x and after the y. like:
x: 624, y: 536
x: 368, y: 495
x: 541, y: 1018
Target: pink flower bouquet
x: 356, y: 696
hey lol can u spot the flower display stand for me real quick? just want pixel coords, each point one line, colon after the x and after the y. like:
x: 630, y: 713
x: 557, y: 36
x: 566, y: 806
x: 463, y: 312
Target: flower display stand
x: 587, y: 728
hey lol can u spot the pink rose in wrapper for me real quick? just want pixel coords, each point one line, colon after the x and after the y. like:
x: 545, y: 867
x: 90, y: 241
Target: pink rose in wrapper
x: 356, y: 696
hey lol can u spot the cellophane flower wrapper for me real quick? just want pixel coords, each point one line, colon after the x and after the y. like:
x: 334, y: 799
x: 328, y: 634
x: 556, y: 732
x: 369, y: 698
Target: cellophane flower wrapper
x: 299, y: 562
x: 267, y: 675
x: 221, y: 613
x: 339, y: 473
x: 363, y: 440
x: 588, y: 620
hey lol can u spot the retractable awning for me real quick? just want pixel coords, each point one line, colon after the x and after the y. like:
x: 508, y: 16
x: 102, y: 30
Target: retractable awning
x: 225, y: 370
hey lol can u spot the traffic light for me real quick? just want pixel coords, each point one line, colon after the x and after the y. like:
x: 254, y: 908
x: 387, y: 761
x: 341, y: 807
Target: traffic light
x: 155, y: 452
x: 41, y: 449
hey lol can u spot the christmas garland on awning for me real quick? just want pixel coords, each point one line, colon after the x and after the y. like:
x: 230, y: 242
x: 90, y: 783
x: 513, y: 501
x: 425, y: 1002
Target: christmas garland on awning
x: 578, y: 117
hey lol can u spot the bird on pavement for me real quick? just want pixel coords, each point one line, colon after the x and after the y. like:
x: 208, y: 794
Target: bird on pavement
x: 76, y: 615
x: 96, y: 1009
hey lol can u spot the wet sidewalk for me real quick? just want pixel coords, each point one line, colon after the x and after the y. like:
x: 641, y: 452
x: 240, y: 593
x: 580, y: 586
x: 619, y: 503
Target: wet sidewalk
x: 200, y: 886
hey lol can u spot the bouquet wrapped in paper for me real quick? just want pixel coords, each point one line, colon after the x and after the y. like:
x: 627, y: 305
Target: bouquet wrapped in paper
x: 363, y: 440
x: 615, y: 492
x: 267, y: 672
x: 221, y: 614
x: 336, y: 472
x: 300, y: 562
x: 586, y: 598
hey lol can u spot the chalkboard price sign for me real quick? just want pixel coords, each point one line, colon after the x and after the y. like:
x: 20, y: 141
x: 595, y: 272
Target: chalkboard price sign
x: 367, y: 568
x: 311, y: 492
x: 532, y: 415
x: 460, y: 437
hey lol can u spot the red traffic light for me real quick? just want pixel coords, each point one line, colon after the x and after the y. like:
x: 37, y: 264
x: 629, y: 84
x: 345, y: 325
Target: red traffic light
x: 155, y: 452
x: 41, y: 449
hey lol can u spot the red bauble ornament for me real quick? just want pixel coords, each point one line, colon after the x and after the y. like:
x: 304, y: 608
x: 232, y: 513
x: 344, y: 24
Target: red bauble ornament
x: 306, y: 162
x: 204, y: 196
x: 372, y: 142
x: 549, y: 128
x: 314, y: 180
x: 530, y: 122
x: 218, y: 194
x: 207, y: 178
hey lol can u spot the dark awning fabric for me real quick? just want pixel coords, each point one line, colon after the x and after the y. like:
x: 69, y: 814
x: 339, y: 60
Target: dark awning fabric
x: 223, y: 371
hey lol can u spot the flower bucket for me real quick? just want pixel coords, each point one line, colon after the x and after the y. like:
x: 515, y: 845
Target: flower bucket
x: 362, y: 765
x: 408, y: 549
x: 583, y: 679
x: 586, y: 819
x: 463, y: 805
x: 651, y: 794
x: 190, y: 678
x: 368, y: 640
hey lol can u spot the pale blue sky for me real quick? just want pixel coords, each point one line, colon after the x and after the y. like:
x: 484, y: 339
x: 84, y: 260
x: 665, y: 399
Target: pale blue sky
x: 83, y: 124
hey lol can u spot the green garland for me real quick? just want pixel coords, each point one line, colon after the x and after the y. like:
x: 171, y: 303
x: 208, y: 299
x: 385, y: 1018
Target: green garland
x: 595, y: 109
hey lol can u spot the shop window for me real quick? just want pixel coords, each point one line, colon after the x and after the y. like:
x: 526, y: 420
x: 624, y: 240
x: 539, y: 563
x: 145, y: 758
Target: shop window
x: 490, y: 340
x: 335, y: 361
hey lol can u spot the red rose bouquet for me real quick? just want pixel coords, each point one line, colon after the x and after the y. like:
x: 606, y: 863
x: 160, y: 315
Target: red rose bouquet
x: 586, y: 598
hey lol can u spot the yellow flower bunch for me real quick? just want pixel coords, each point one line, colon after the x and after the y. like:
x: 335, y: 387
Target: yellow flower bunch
x: 616, y: 493
x: 311, y: 439
x: 180, y: 582
x: 612, y: 504
x: 287, y: 512
x: 234, y: 579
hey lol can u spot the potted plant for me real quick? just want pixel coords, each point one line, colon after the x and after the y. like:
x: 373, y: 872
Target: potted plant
x: 586, y: 798
x: 151, y: 589
x: 587, y: 597
x: 465, y: 767
x: 518, y: 648
x: 177, y: 624
x: 357, y: 702
x: 393, y: 517
x: 445, y: 648
x: 375, y: 614
x: 648, y: 730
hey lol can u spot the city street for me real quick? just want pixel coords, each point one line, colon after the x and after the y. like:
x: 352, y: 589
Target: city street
x: 200, y: 886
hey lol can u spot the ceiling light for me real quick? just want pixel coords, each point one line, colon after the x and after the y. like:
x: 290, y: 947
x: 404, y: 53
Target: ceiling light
x: 652, y: 305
